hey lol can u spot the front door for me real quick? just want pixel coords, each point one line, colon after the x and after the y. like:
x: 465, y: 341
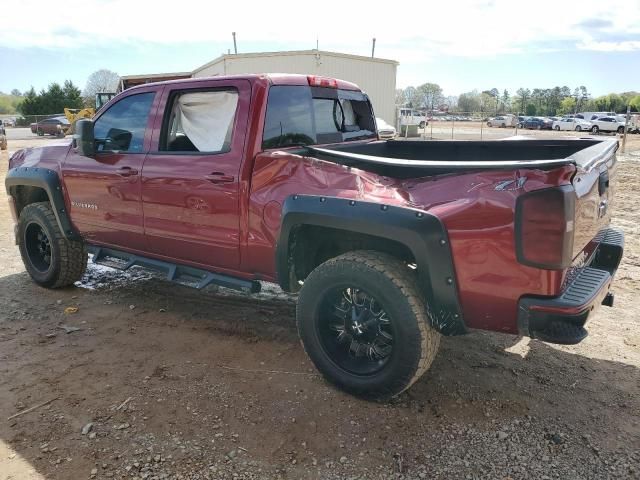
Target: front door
x: 191, y: 178
x: 104, y: 191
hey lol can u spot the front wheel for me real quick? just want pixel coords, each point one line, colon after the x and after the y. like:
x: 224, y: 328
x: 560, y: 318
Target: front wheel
x: 363, y: 323
x: 621, y: 130
x: 40, y: 133
x: 557, y: 128
x: 595, y: 129
x: 578, y: 128
x: 51, y: 260
x: 422, y: 124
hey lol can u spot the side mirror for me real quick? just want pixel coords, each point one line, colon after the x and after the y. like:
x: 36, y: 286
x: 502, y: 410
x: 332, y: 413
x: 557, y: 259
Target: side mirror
x: 83, y: 140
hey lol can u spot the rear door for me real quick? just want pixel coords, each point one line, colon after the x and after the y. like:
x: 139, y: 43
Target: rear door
x: 104, y: 191
x: 191, y: 178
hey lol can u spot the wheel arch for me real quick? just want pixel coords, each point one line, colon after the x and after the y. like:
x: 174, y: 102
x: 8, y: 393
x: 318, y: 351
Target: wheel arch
x: 312, y: 226
x: 28, y: 185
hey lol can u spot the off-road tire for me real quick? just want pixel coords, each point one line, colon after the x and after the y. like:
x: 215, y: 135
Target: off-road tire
x: 391, y: 282
x: 68, y: 257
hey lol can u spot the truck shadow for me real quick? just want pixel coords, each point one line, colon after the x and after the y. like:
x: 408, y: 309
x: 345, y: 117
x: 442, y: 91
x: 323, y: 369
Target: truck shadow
x: 239, y: 359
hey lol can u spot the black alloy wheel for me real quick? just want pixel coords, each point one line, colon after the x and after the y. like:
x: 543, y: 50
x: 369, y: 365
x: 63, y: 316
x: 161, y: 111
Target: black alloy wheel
x: 355, y: 330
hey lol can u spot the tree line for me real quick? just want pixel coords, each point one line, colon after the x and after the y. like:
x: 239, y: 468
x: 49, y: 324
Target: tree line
x: 537, y: 101
x: 56, y: 97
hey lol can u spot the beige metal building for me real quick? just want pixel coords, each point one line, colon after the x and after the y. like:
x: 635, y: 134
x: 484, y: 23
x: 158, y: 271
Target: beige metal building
x: 376, y: 76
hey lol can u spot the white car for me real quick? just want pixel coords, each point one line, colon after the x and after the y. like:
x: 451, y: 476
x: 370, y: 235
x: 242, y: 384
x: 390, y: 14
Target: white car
x: 385, y: 131
x: 576, y: 124
x: 607, y: 124
x: 503, y: 121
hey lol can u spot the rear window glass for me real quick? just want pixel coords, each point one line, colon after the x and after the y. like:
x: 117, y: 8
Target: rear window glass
x: 299, y: 115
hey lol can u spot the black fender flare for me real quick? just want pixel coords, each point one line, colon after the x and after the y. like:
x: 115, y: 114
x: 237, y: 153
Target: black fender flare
x: 421, y: 232
x: 49, y: 181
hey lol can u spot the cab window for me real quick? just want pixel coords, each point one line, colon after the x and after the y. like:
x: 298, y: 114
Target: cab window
x: 122, y: 127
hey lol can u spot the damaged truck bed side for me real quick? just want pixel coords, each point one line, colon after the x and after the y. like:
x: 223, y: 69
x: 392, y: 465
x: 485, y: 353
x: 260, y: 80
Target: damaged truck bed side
x: 281, y: 178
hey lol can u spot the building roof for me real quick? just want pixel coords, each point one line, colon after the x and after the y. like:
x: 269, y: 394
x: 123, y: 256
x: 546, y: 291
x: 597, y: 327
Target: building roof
x: 231, y: 56
x: 128, y: 81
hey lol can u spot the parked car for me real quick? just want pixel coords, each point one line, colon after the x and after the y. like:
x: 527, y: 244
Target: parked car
x: 607, y: 124
x: 385, y: 131
x: 537, y: 123
x: 50, y: 126
x: 503, y: 121
x: 412, y: 117
x: 3, y: 138
x: 390, y: 244
x: 576, y: 124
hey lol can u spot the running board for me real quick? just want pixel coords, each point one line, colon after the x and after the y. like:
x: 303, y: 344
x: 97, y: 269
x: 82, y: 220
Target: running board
x: 181, y: 274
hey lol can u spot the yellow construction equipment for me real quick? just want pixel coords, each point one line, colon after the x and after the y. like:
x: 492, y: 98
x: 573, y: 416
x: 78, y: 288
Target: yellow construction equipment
x: 75, y: 114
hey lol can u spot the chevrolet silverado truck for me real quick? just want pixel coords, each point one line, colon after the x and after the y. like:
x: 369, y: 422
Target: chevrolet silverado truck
x: 236, y: 180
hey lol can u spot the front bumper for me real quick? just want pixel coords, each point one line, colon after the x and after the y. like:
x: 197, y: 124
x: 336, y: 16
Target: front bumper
x: 561, y: 319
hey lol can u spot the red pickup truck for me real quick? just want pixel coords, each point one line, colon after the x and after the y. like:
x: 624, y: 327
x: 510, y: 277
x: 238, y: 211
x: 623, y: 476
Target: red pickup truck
x: 281, y: 178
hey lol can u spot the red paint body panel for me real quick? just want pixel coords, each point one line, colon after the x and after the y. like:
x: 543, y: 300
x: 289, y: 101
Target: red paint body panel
x: 171, y: 211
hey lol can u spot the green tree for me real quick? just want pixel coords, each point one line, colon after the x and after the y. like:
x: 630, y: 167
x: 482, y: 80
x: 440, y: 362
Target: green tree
x: 16, y: 93
x: 524, y: 94
x: 506, y: 101
x: 530, y: 109
x: 431, y: 95
x: 635, y: 103
x: 469, y: 102
x: 51, y: 101
x: 567, y: 105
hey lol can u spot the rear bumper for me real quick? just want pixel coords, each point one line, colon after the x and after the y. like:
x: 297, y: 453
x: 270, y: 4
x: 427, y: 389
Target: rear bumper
x: 561, y: 319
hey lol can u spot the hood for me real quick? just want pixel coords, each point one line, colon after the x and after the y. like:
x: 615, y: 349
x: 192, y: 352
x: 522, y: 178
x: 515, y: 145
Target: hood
x: 48, y: 156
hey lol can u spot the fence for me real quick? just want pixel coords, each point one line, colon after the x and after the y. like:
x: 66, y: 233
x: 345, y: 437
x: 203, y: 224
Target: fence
x: 474, y: 126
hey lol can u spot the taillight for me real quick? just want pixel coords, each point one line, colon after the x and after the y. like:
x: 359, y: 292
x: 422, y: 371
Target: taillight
x: 544, y: 228
x: 316, y: 81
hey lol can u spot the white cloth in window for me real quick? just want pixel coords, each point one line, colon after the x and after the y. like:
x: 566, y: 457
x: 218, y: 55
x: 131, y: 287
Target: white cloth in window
x: 205, y: 118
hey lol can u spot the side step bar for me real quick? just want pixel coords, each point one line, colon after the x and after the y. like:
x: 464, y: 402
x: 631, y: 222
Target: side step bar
x: 181, y: 274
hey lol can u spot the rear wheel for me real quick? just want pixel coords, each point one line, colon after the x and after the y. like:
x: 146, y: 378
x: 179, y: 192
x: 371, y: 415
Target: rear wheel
x: 621, y: 130
x: 595, y: 129
x: 578, y: 128
x: 51, y: 260
x: 422, y: 124
x: 363, y: 323
x: 40, y: 132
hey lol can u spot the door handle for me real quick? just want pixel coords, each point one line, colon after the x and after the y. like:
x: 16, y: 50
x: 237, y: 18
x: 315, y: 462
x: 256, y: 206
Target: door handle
x: 126, y: 171
x: 219, y: 177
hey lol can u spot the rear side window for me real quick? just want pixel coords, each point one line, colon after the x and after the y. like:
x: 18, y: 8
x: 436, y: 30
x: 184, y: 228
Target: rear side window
x: 300, y: 115
x: 200, y: 121
x: 122, y: 127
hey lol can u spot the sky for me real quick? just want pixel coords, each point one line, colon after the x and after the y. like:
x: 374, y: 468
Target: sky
x: 461, y: 45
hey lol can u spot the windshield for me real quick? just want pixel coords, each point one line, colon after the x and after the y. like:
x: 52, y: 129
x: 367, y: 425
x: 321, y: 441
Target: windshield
x: 301, y: 115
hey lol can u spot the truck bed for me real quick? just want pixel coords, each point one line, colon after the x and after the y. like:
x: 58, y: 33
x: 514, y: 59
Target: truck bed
x: 405, y: 159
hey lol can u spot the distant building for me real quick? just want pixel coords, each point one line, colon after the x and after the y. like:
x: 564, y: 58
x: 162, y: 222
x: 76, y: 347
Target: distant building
x: 376, y: 76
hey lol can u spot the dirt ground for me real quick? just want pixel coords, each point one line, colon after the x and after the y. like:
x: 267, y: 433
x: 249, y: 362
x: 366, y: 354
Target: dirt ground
x: 169, y: 382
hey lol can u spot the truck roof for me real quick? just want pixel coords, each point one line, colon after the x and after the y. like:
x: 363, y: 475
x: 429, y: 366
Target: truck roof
x: 272, y: 78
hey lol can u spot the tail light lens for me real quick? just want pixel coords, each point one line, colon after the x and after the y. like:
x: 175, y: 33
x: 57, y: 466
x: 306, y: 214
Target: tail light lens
x: 544, y: 228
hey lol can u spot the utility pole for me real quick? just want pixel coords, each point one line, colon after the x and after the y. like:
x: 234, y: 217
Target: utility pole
x: 626, y: 124
x: 373, y: 47
x: 235, y: 47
